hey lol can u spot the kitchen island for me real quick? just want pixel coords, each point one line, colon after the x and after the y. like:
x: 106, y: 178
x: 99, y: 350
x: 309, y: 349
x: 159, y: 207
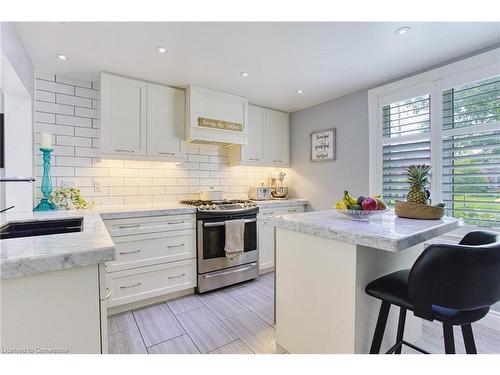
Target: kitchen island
x: 324, y: 260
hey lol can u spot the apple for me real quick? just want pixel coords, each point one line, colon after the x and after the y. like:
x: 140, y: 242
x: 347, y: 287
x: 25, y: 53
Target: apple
x: 369, y: 204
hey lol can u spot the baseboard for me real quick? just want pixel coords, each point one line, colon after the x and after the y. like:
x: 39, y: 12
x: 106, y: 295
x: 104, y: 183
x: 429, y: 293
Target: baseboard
x: 266, y: 268
x: 149, y: 301
x: 491, y: 320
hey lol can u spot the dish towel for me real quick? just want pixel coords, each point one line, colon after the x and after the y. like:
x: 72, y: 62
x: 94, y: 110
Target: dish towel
x: 235, y: 233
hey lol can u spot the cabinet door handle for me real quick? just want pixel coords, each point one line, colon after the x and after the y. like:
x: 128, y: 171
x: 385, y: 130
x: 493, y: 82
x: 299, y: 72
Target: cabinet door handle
x: 129, y: 226
x: 172, y: 246
x: 176, y: 277
x: 294, y: 210
x: 129, y: 252
x: 268, y: 213
x: 253, y: 159
x: 124, y: 151
x: 166, y: 153
x: 277, y: 161
x: 131, y: 286
x: 108, y: 293
x: 175, y: 222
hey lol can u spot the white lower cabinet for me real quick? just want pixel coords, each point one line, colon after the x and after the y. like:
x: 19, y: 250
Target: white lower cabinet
x: 154, y: 248
x: 137, y: 284
x: 54, y: 312
x: 266, y: 233
x: 155, y: 256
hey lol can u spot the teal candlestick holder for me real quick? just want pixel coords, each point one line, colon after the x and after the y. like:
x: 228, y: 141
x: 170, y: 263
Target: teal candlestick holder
x: 46, y: 188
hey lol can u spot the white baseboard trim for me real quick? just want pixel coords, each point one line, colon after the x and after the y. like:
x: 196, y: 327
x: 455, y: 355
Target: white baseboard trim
x: 266, y: 267
x: 148, y: 301
x: 491, y: 320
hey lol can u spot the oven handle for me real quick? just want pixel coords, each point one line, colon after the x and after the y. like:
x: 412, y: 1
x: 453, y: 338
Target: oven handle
x: 249, y: 267
x: 222, y: 223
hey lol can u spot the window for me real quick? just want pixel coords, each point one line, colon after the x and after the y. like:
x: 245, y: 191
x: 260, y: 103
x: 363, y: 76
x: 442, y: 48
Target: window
x: 471, y: 152
x: 406, y: 140
x: 449, y: 118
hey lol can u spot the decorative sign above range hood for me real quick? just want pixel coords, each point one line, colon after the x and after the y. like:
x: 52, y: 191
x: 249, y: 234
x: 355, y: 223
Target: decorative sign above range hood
x: 214, y: 117
x: 219, y: 124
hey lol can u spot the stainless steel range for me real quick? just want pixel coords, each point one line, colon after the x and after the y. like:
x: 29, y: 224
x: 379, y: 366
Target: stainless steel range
x: 215, y: 269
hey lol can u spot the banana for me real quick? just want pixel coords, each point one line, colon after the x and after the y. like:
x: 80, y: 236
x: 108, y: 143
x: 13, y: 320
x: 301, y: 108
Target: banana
x: 341, y: 205
x: 348, y: 199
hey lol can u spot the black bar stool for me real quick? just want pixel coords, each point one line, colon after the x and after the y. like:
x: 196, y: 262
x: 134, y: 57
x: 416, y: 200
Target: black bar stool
x: 454, y: 284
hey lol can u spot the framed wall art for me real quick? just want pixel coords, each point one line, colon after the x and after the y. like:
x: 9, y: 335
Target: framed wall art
x: 323, y: 145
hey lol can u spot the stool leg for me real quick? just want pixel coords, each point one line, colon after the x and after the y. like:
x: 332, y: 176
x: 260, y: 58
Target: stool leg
x: 449, y: 342
x: 380, y: 328
x: 401, y: 329
x: 470, y: 345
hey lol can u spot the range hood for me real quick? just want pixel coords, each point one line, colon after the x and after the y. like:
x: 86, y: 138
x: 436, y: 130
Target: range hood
x: 215, y: 117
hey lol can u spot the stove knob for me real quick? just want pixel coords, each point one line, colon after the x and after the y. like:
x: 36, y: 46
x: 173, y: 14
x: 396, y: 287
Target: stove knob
x: 213, y: 206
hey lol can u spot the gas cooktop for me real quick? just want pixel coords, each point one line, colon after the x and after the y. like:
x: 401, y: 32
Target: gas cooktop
x: 222, y: 205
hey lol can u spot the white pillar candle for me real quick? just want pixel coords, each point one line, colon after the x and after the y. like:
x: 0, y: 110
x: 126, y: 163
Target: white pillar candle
x: 46, y: 140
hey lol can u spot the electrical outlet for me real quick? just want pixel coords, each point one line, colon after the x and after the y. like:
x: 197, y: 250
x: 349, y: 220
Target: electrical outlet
x: 98, y: 186
x: 68, y: 182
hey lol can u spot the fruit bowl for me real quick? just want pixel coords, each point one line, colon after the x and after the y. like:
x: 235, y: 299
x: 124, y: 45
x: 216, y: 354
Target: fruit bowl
x: 361, y: 215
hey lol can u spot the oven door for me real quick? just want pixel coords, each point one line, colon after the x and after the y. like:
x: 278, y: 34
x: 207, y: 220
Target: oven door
x: 211, y: 241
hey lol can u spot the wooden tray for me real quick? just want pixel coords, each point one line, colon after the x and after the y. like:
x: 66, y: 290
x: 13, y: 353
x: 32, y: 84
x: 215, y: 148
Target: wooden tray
x: 418, y: 211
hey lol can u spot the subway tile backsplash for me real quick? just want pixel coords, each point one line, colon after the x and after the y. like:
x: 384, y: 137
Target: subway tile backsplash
x: 67, y: 107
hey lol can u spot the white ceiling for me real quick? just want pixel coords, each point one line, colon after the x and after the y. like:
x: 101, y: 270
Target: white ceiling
x: 326, y: 60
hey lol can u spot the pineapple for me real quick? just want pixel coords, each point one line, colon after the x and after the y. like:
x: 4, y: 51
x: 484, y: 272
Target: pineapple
x: 417, y: 178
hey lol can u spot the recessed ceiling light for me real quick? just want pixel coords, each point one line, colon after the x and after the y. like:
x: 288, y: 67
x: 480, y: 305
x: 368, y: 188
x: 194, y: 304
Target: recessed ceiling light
x: 300, y: 92
x: 160, y: 49
x: 402, y: 30
x: 244, y: 74
x: 61, y: 57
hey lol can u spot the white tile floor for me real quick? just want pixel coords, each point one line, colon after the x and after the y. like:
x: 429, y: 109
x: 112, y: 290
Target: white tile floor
x: 233, y: 320
x: 237, y: 320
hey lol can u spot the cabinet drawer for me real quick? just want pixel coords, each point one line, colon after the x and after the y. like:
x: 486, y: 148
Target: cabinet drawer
x: 145, y: 250
x: 290, y: 210
x: 151, y: 281
x: 270, y: 212
x: 132, y: 226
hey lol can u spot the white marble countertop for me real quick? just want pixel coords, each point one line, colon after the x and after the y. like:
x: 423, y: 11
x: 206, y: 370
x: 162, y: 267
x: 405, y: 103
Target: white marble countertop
x: 30, y: 255
x: 128, y: 211
x: 384, y: 231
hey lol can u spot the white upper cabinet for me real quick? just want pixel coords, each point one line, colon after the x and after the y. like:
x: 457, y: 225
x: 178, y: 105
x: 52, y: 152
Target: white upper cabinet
x: 123, y: 116
x: 254, y: 151
x: 141, y: 120
x: 268, y: 139
x: 166, y: 120
x: 277, y: 138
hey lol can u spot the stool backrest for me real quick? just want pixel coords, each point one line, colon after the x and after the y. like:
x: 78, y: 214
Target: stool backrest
x: 460, y: 277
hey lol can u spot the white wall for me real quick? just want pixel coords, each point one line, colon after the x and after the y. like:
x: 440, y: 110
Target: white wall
x: 67, y: 107
x: 17, y: 84
x: 323, y: 183
x: 13, y: 49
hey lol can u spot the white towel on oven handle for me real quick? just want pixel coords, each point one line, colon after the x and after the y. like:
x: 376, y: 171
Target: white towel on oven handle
x: 235, y: 237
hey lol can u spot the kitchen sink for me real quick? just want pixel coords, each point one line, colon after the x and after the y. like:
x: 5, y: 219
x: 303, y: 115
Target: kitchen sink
x: 40, y: 228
